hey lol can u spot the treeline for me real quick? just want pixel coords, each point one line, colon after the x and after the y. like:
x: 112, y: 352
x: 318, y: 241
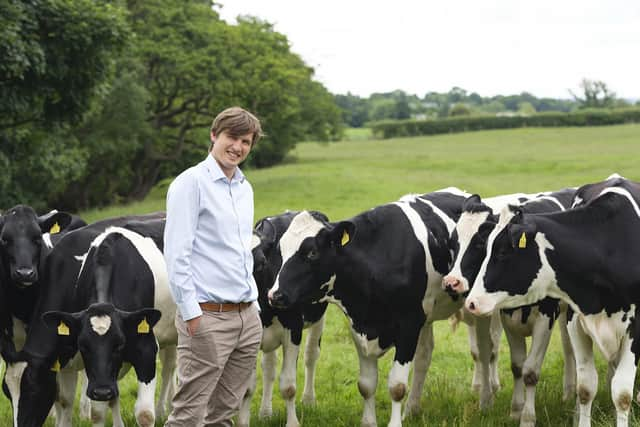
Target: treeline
x: 101, y: 99
x: 398, y: 105
x: 582, y: 117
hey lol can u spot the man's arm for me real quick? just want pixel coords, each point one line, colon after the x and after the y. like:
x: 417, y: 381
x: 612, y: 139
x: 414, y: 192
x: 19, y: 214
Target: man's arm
x: 183, y: 204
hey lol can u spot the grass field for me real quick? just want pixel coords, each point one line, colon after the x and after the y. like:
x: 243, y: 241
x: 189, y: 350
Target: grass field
x: 342, y: 179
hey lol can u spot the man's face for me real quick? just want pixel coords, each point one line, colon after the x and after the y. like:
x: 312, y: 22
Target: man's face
x: 230, y: 151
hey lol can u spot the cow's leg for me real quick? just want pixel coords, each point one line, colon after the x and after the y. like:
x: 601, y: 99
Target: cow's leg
x: 116, y: 416
x: 586, y: 373
x: 398, y: 384
x: 518, y: 351
x: 483, y: 334
x: 244, y: 415
x: 290, y: 353
x: 496, y: 336
x: 99, y: 413
x: 531, y: 371
x: 269, y: 364
x: 422, y: 361
x: 67, y: 380
x: 622, y: 382
x: 144, y: 409
x: 569, y: 382
x: 367, y: 384
x: 167, y: 389
x: 12, y: 380
x: 85, y: 402
x: 476, y: 383
x: 311, y: 355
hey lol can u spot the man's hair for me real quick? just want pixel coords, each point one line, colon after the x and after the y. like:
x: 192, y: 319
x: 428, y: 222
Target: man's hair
x: 236, y: 122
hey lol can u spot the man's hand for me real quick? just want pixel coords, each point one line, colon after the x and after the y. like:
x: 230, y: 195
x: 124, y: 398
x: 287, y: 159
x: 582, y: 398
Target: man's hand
x: 192, y: 325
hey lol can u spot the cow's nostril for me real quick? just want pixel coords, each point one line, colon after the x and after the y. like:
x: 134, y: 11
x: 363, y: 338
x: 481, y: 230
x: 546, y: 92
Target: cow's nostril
x: 472, y: 306
x: 101, y: 394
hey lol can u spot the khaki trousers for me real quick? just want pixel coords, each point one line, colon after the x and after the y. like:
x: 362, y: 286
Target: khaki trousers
x: 214, y: 367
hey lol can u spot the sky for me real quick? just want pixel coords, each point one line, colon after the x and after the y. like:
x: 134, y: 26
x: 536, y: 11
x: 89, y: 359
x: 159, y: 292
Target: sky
x: 492, y: 47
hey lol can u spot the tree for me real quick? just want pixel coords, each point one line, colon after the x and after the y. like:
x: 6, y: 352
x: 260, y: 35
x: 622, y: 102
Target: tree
x: 54, y: 57
x: 596, y: 94
x: 460, y: 109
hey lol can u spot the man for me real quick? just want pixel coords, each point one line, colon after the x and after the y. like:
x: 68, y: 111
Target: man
x: 208, y: 252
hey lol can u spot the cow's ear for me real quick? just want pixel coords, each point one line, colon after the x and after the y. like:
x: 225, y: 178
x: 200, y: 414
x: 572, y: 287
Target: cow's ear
x: 474, y: 199
x: 54, y: 222
x: 266, y: 231
x: 521, y: 234
x: 141, y: 321
x: 319, y: 216
x: 342, y: 233
x: 64, y: 323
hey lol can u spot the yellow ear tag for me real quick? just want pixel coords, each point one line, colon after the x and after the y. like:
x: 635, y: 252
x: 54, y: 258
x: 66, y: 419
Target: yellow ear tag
x: 523, y: 241
x: 63, y: 329
x: 143, y: 326
x: 345, y: 238
x: 55, y: 228
x: 56, y: 366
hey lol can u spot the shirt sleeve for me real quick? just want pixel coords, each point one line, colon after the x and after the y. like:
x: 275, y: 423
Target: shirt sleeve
x: 183, y: 205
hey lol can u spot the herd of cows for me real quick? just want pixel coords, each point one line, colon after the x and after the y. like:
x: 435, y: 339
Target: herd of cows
x: 94, y: 299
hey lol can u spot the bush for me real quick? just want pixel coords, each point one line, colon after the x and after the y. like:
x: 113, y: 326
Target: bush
x: 592, y: 117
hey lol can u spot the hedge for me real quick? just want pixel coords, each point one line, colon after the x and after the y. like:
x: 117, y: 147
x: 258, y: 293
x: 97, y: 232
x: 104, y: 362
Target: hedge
x: 400, y: 128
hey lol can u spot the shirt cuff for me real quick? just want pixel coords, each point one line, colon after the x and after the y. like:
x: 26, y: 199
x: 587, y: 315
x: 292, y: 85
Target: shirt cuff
x: 190, y: 310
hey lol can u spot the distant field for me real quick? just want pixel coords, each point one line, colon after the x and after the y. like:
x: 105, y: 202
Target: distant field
x: 345, y: 178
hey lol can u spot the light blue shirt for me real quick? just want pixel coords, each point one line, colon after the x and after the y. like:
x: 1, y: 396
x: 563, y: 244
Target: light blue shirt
x: 207, y: 238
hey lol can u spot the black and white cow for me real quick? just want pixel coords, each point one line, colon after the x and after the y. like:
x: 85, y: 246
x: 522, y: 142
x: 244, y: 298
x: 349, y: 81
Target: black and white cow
x: 585, y: 256
x: 384, y: 269
x: 282, y: 327
x: 535, y: 320
x: 30, y: 381
x: 121, y: 292
x: 25, y: 241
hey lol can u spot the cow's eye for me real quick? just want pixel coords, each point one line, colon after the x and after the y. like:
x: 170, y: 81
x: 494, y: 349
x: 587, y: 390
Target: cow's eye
x: 502, y: 254
x: 312, y: 255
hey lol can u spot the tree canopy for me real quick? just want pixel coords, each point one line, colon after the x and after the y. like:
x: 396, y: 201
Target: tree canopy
x: 103, y: 99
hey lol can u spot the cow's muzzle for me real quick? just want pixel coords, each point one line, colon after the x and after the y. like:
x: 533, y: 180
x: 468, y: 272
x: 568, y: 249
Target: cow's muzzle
x: 102, y: 393
x: 279, y: 300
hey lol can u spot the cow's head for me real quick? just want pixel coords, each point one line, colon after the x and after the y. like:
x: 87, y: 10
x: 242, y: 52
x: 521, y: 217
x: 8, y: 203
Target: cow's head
x: 105, y: 336
x: 24, y: 240
x: 515, y: 271
x: 468, y: 244
x: 309, y: 249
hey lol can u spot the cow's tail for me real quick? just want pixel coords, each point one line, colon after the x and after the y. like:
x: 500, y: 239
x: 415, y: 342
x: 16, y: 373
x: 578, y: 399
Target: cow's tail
x: 455, y: 319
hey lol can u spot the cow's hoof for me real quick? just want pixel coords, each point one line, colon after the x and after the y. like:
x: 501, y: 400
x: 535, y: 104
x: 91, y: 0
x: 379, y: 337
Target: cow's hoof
x: 516, y: 412
x: 309, y: 399
x: 265, y: 412
x: 528, y: 420
x: 569, y: 393
x: 411, y: 409
x: 146, y: 419
x: 486, y: 402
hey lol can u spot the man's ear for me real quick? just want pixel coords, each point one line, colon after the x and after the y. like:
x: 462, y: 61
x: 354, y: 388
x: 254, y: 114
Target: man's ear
x: 65, y: 323
x: 342, y: 233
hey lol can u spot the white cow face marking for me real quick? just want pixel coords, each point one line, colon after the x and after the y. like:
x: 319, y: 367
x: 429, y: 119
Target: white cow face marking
x: 467, y: 227
x: 302, y: 226
x: 100, y: 324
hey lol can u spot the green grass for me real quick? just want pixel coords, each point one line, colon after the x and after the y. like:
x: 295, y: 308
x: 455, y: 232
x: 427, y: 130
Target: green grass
x: 345, y: 178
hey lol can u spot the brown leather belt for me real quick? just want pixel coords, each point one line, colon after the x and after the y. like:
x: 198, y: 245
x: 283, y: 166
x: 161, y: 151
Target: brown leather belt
x: 225, y: 306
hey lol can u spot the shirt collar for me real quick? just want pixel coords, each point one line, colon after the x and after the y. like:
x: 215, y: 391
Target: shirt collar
x: 216, y: 172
